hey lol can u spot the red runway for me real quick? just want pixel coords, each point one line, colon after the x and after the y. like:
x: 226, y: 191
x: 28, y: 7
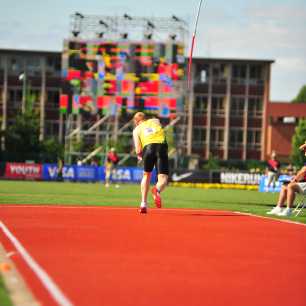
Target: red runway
x: 117, y: 257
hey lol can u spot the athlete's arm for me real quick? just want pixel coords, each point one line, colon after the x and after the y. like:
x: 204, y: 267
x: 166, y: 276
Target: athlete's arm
x: 137, y: 143
x: 300, y: 175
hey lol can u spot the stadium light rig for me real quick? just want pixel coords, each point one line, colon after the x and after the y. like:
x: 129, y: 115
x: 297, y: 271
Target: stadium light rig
x: 148, y: 36
x: 128, y: 17
x: 103, y: 23
x: 176, y: 18
x: 124, y: 35
x: 75, y: 33
x: 79, y: 15
x: 150, y: 25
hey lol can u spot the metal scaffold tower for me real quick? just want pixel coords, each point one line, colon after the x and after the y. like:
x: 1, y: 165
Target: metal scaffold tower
x: 139, y: 34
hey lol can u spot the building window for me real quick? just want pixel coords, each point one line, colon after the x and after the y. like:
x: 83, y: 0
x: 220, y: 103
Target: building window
x: 216, y: 138
x: 256, y: 74
x: 218, y: 106
x: 237, y: 106
x: 14, y: 97
x: 202, y: 73
x: 239, y: 74
x: 200, y: 105
x: 236, y: 138
x: 53, y: 99
x: 53, y: 64
x: 198, y: 136
x: 52, y: 128
x: 16, y: 65
x: 254, y: 139
x: 218, y: 72
x: 255, y: 107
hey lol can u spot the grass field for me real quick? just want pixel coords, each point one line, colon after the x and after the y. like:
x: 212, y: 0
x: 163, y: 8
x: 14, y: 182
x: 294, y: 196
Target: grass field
x: 4, y: 297
x: 88, y: 194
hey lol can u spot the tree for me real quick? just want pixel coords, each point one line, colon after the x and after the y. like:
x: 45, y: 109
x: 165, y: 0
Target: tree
x: 301, y: 97
x: 297, y: 157
x: 22, y: 138
x: 51, y: 150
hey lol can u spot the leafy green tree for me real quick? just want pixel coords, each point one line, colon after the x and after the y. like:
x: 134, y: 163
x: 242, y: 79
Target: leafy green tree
x: 22, y: 138
x: 297, y: 157
x: 212, y: 163
x: 301, y: 97
x: 51, y: 150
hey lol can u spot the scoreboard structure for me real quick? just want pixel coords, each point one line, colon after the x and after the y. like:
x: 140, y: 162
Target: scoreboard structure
x: 114, y: 66
x: 109, y: 77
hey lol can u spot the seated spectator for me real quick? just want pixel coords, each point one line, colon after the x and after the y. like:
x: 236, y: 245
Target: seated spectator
x: 288, y: 191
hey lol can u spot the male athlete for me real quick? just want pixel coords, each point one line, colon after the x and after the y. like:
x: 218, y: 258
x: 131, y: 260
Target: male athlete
x: 151, y: 147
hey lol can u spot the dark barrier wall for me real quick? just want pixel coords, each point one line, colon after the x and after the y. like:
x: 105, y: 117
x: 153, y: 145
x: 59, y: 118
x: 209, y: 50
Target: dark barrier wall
x: 49, y: 172
x: 2, y: 169
x: 201, y: 176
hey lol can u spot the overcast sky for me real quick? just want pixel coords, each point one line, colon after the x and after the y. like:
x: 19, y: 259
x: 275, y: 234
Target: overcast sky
x: 258, y: 29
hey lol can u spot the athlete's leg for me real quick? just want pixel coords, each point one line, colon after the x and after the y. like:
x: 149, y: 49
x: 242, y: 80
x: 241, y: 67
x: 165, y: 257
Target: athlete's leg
x: 162, y: 180
x: 282, y: 196
x: 144, y: 186
x: 292, y: 189
x: 107, y: 175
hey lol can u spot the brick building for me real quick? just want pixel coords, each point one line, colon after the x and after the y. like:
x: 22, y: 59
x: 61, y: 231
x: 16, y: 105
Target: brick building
x: 230, y: 106
x: 280, y: 126
x: 39, y: 73
x: 230, y: 102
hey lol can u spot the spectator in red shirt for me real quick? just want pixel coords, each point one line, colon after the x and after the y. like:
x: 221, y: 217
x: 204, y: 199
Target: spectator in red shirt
x: 111, y: 162
x: 273, y: 167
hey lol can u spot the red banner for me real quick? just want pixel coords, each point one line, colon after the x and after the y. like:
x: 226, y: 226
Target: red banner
x: 23, y: 171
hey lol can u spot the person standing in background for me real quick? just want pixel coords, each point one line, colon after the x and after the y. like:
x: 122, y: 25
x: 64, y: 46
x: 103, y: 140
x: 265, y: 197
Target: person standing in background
x: 111, y: 162
x: 273, y: 168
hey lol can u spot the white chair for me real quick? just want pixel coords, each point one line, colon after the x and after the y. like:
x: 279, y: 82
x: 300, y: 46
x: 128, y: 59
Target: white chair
x: 300, y: 203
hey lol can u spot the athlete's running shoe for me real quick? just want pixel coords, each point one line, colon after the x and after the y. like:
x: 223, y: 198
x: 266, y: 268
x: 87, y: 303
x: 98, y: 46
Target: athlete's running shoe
x: 285, y: 213
x: 143, y: 210
x: 274, y: 211
x: 156, y: 197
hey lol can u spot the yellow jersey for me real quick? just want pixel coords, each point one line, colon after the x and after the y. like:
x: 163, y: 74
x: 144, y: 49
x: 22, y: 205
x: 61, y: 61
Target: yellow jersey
x: 151, y: 131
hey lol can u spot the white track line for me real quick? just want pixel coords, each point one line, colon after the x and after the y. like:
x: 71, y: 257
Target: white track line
x: 48, y: 283
x: 271, y: 219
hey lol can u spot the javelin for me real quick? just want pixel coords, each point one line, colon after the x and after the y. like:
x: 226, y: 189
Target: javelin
x: 192, y: 45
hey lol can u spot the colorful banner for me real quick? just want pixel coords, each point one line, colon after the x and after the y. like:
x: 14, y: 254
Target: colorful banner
x: 21, y: 171
x: 263, y: 184
x: 133, y: 70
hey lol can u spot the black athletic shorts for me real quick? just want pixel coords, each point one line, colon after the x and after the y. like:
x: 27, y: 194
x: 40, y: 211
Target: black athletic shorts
x: 156, y: 154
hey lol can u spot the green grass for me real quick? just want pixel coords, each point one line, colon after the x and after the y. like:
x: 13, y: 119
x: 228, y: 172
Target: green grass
x: 51, y: 193
x: 4, y: 297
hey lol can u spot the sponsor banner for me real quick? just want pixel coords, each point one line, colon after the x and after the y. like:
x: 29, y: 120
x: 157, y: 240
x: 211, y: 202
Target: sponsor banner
x: 242, y: 178
x: 263, y: 184
x: 129, y: 175
x: 94, y: 173
x: 23, y: 171
x: 86, y: 173
x: 50, y: 172
x: 190, y: 176
x: 214, y: 186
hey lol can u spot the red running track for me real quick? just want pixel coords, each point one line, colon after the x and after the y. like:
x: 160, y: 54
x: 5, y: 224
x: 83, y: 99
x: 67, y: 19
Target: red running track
x: 116, y: 257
